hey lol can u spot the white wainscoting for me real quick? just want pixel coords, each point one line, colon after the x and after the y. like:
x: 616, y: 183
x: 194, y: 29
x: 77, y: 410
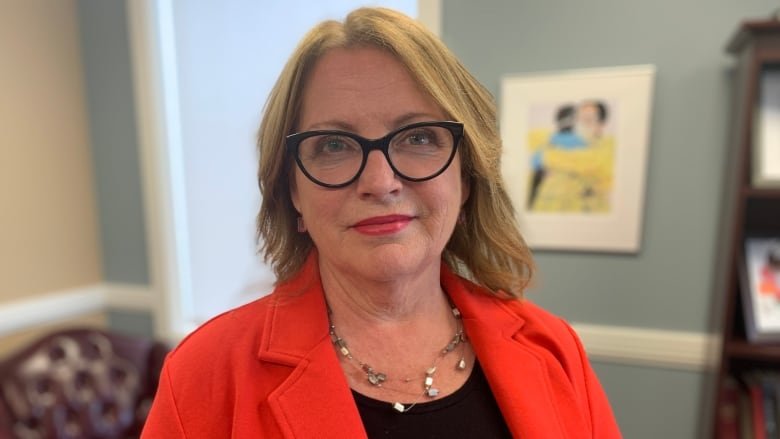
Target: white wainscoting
x: 612, y: 344
x: 50, y: 308
x: 650, y: 347
x: 58, y: 306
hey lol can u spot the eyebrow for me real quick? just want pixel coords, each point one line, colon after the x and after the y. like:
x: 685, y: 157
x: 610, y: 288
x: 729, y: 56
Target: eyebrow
x: 404, y: 119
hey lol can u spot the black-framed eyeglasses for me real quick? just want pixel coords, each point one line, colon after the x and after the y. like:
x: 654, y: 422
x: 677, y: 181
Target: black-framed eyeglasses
x: 416, y: 152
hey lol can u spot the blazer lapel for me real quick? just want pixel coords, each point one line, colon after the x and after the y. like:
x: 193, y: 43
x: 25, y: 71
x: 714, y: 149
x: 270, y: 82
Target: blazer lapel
x: 517, y: 375
x: 315, y: 399
x: 519, y: 382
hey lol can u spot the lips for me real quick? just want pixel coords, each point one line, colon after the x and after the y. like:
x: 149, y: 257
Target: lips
x: 382, y: 225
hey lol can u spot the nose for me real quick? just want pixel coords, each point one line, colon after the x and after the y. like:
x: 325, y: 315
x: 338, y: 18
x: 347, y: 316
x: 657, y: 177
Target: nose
x: 377, y: 179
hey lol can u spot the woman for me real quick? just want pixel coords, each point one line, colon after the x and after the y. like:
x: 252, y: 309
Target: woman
x: 371, y: 330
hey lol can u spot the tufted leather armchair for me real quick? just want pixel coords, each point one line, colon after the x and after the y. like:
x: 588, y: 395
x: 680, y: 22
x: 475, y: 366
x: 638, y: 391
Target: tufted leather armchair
x: 79, y: 383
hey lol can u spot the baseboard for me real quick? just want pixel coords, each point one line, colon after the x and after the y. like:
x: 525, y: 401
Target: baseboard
x: 650, y: 347
x: 612, y: 344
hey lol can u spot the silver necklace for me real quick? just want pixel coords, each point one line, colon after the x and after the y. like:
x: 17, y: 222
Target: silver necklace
x: 377, y: 379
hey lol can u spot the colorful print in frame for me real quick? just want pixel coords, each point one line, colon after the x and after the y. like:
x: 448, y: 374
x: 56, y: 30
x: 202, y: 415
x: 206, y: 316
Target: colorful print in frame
x: 575, y: 152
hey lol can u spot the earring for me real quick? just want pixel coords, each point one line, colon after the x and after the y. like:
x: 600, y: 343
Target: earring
x: 301, y: 225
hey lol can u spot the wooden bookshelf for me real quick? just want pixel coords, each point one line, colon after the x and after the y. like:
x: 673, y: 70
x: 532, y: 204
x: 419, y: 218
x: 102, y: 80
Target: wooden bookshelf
x: 758, y: 193
x: 745, y: 350
x: 748, y: 210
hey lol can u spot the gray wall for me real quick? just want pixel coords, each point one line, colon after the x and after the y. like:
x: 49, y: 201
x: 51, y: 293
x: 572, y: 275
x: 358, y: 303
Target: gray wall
x: 657, y: 403
x: 669, y: 284
x: 109, y: 85
x: 111, y: 107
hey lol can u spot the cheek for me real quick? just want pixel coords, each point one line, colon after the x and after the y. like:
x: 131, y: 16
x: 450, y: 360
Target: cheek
x: 450, y: 196
x: 312, y: 201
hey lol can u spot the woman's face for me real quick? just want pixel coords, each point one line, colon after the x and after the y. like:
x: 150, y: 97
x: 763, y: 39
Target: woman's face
x: 380, y: 226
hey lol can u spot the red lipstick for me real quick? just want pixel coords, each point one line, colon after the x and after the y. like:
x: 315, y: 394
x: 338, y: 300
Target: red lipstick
x: 382, y: 225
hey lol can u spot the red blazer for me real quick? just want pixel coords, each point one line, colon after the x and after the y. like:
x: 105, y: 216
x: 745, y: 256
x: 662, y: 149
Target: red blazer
x: 268, y: 370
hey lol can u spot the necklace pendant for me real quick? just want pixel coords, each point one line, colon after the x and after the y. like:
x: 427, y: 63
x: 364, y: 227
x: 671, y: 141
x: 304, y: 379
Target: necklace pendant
x: 432, y: 393
x: 399, y: 407
x: 342, y: 347
x: 452, y: 345
x: 375, y: 379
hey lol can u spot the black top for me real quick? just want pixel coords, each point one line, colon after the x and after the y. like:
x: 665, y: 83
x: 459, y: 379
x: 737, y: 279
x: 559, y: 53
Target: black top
x: 469, y: 412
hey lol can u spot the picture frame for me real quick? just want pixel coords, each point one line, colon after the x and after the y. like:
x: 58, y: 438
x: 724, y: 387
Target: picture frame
x: 766, y: 132
x: 575, y: 155
x: 760, y: 289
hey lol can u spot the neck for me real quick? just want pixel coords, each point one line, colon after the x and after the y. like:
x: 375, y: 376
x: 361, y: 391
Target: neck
x: 402, y: 300
x: 393, y: 338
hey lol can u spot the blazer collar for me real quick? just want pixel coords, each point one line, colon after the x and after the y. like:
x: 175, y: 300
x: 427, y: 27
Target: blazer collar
x: 316, y: 401
x: 516, y: 372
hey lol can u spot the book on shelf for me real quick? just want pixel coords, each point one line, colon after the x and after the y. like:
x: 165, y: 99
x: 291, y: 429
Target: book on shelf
x: 728, y: 409
x: 760, y: 286
x: 749, y: 406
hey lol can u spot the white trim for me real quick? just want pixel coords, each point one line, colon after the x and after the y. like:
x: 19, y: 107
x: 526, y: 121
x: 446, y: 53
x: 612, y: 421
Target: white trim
x: 156, y: 102
x: 50, y: 308
x: 429, y: 14
x: 650, y: 347
x: 58, y: 306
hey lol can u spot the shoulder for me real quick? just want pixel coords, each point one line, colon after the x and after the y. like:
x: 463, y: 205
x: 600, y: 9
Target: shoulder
x: 549, y: 331
x: 516, y: 331
x: 219, y: 340
x: 500, y: 311
x: 539, y: 319
x: 553, y: 339
x: 525, y: 322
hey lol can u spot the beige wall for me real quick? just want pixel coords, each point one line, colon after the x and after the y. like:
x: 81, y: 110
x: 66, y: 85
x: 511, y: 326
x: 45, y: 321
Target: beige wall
x: 48, y: 225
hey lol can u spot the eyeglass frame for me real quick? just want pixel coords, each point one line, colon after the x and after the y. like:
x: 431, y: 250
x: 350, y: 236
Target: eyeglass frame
x: 293, y: 141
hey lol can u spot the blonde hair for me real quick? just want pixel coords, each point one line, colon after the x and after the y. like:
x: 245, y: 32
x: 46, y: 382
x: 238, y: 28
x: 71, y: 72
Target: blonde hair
x: 487, y: 246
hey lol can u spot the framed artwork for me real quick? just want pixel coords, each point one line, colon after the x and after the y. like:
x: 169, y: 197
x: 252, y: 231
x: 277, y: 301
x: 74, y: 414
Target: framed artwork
x: 760, y: 286
x: 575, y: 156
x: 766, y: 145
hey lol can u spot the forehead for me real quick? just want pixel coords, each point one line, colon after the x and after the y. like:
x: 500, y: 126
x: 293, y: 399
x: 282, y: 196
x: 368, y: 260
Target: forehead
x: 358, y: 86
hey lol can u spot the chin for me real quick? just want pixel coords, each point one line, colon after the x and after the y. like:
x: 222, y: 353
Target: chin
x: 391, y: 263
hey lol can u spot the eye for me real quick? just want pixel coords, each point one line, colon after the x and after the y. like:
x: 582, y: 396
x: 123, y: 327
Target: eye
x: 331, y: 145
x: 420, y: 137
